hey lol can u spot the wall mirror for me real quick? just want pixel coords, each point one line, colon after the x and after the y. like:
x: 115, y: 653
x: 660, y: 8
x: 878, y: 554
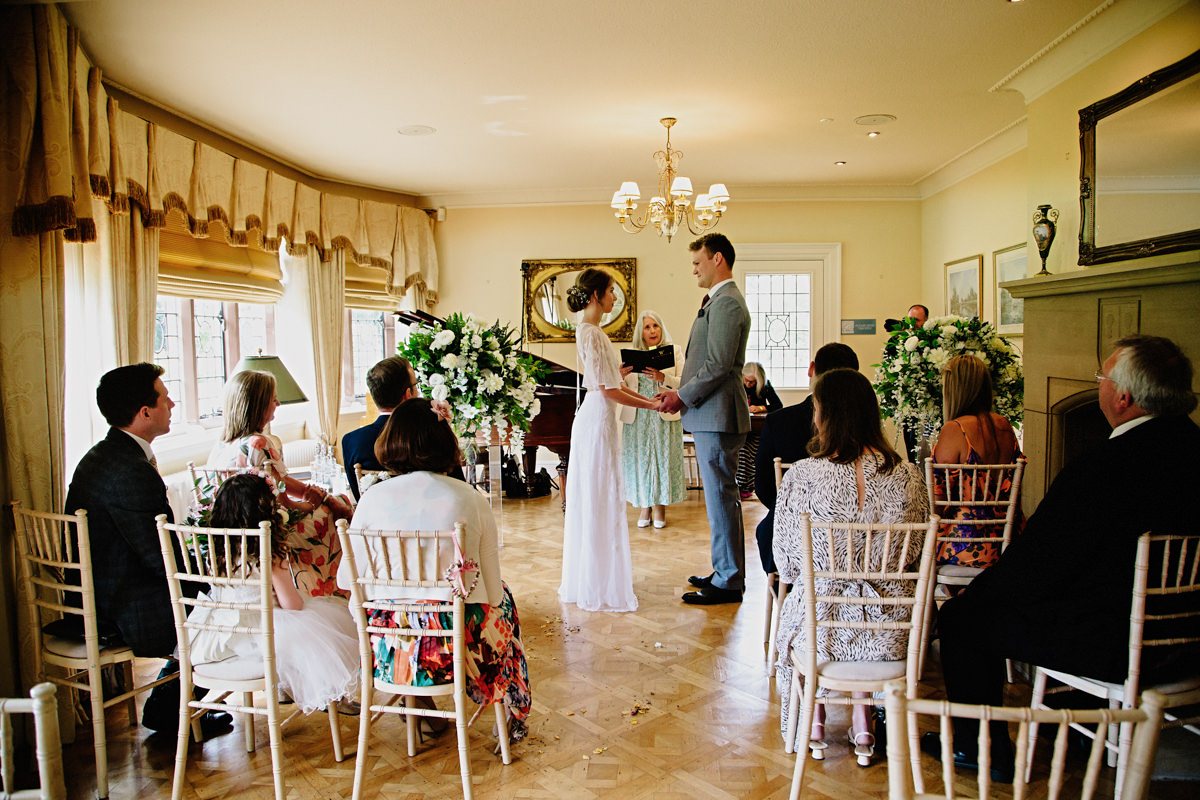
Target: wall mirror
x: 546, y: 317
x: 1139, y: 178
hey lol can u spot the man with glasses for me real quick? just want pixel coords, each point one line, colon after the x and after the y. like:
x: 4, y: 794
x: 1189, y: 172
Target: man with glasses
x: 1059, y: 596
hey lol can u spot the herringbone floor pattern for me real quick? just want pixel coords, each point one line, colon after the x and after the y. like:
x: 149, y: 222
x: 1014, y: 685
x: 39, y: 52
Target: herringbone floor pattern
x: 669, y: 702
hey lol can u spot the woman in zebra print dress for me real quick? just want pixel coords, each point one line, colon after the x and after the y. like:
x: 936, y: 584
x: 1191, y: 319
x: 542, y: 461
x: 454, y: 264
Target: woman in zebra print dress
x: 852, y: 475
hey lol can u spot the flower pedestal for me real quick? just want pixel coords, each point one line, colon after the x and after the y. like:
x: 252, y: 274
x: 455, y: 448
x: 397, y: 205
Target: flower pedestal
x: 483, y: 454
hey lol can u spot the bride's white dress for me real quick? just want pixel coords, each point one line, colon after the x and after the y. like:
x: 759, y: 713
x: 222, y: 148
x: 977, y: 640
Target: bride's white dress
x: 597, y: 572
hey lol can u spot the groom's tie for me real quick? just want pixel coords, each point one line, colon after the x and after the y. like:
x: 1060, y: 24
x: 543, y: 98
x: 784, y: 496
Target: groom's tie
x: 704, y: 302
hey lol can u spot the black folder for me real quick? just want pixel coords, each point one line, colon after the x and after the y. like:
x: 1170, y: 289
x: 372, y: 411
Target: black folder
x: 660, y: 358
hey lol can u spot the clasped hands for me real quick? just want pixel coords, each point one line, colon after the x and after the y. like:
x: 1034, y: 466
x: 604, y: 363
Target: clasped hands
x: 668, y: 402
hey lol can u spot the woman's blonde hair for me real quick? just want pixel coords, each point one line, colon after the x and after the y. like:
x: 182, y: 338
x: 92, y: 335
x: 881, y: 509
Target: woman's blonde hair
x: 966, y: 388
x: 638, y: 341
x: 248, y: 397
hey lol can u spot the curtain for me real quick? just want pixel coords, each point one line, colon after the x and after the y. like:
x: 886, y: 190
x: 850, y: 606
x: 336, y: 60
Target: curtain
x: 36, y: 199
x: 326, y: 303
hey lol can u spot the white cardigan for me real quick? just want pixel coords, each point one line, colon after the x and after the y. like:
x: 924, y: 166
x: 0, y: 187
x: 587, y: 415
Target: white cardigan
x: 670, y: 381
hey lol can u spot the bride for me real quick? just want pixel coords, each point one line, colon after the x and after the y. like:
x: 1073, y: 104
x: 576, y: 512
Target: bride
x: 597, y: 572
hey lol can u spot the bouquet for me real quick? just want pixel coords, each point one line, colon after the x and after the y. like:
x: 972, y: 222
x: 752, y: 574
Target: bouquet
x: 479, y: 371
x: 909, y: 379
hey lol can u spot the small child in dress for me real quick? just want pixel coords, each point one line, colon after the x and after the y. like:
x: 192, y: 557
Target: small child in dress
x: 316, y: 641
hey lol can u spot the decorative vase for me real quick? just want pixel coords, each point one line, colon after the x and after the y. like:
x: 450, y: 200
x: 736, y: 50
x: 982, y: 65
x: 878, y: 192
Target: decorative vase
x: 1044, y: 228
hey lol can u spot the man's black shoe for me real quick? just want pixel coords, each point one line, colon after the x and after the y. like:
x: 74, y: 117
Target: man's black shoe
x: 701, y: 582
x: 212, y: 723
x: 1001, y: 768
x: 711, y: 596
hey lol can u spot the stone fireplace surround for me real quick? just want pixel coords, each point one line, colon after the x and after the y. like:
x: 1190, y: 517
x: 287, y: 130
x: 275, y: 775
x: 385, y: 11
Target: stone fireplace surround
x: 1071, y: 320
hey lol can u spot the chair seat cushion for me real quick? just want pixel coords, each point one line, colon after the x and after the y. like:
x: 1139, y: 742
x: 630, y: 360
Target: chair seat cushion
x: 233, y: 668
x: 70, y: 647
x: 872, y: 671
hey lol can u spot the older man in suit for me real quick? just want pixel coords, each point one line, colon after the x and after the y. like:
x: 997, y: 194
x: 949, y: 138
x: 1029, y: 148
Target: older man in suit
x: 390, y: 382
x: 785, y: 435
x: 1059, y: 596
x: 118, y: 484
x: 715, y: 412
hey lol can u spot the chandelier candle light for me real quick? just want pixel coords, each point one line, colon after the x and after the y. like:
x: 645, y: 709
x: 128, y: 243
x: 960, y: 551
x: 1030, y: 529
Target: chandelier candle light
x: 673, y: 205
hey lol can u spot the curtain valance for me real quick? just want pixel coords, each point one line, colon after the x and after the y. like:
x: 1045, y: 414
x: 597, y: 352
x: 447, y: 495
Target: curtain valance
x: 85, y: 143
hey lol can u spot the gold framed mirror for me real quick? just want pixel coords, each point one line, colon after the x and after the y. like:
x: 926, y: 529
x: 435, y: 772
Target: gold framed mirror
x: 1139, y: 160
x: 546, y: 318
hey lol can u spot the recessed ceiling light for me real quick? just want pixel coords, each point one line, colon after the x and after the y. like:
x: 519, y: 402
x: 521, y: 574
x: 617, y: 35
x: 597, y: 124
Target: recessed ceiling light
x: 416, y: 130
x: 840, y: 163
x: 826, y: 119
x: 875, y: 120
x: 873, y: 134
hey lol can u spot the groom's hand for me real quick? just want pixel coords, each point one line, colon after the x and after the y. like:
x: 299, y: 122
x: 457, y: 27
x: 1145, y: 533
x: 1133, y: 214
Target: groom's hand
x: 669, y: 402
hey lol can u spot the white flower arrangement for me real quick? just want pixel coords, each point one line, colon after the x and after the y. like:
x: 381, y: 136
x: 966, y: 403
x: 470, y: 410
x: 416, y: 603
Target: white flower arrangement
x: 908, y: 380
x: 479, y: 371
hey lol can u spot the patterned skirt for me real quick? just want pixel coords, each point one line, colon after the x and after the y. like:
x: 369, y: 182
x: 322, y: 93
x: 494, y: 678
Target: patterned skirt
x: 495, y: 658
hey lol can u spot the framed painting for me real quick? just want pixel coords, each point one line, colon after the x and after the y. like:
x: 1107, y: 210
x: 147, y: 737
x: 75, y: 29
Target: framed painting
x: 1009, y: 264
x: 964, y: 286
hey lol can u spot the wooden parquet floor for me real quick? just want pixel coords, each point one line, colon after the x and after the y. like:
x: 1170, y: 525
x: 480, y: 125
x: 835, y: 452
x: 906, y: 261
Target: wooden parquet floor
x: 671, y: 701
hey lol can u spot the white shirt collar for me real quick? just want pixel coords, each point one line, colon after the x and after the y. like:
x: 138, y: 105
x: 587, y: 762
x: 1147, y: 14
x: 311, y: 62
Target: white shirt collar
x: 141, y: 443
x: 712, y: 290
x: 1126, y: 427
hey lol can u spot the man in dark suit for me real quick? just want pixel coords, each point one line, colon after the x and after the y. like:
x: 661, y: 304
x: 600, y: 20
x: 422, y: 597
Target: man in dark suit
x: 785, y: 435
x: 390, y: 382
x: 1059, y: 596
x: 713, y: 401
x: 118, y: 484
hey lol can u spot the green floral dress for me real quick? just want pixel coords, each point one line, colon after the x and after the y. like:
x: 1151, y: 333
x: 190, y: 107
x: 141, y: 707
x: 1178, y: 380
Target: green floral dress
x: 652, y: 455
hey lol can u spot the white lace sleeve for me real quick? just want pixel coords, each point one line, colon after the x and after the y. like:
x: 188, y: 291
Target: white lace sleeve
x: 600, y: 367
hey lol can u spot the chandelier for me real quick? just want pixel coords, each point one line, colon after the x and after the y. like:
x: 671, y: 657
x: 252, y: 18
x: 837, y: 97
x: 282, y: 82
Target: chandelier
x: 673, y: 205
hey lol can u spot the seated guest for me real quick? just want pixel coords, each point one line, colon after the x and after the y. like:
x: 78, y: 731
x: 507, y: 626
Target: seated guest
x: 852, y: 475
x: 418, y: 445
x: 118, y: 484
x: 761, y: 397
x: 785, y: 435
x: 250, y: 404
x: 316, y: 640
x: 917, y: 313
x: 390, y: 382
x: 974, y: 435
x: 1059, y: 596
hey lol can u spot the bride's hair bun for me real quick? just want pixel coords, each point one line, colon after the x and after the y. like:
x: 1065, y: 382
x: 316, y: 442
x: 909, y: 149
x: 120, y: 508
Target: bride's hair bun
x: 591, y: 282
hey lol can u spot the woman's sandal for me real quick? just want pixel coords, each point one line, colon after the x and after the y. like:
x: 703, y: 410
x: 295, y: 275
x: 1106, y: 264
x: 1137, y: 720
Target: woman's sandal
x: 863, y: 743
x: 432, y: 727
x: 816, y: 741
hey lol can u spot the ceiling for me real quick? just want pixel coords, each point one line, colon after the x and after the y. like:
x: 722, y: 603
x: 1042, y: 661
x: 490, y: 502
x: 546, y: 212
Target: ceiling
x: 559, y: 100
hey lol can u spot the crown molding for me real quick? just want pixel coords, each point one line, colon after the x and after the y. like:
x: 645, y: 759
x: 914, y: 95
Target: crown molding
x: 1105, y: 29
x: 1007, y: 141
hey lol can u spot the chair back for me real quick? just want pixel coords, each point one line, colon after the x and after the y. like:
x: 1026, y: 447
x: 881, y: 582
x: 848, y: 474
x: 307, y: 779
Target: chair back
x: 903, y: 711
x: 1165, y: 610
x: 994, y: 489
x: 56, y: 565
x: 366, y: 478
x: 382, y: 564
x: 780, y: 466
x: 206, y: 481
x: 43, y: 705
x: 853, y: 552
x: 217, y: 558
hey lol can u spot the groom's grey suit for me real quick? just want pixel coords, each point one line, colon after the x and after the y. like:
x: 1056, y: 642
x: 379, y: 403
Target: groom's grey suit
x: 718, y: 417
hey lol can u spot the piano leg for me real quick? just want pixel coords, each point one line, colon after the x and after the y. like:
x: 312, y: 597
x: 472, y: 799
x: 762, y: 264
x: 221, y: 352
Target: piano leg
x: 562, y: 478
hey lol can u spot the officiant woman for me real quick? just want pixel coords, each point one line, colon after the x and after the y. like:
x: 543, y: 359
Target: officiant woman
x: 652, y: 442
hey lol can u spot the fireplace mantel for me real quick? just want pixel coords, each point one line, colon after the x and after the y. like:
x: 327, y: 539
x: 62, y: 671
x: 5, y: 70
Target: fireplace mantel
x: 1071, y: 320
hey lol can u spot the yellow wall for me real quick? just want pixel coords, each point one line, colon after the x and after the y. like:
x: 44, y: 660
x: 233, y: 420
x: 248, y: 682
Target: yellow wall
x: 1054, y: 121
x: 480, y: 253
x: 978, y: 216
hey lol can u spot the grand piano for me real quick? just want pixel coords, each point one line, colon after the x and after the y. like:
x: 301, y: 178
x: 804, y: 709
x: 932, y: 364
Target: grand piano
x: 551, y: 428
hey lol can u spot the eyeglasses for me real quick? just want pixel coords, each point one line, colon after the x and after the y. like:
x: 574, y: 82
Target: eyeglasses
x: 1100, y: 376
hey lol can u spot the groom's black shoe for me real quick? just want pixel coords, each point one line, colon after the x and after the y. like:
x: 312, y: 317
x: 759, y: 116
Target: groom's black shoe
x: 1002, y: 759
x: 711, y: 596
x: 701, y: 582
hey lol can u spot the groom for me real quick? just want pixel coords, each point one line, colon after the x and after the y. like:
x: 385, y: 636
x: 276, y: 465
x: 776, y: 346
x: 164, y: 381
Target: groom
x: 715, y: 412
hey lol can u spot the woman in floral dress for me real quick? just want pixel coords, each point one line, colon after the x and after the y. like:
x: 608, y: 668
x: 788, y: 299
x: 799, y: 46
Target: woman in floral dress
x: 652, y: 442
x: 418, y: 446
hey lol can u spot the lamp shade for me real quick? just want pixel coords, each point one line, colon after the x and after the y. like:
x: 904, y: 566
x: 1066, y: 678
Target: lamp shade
x: 718, y: 192
x: 286, y: 388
